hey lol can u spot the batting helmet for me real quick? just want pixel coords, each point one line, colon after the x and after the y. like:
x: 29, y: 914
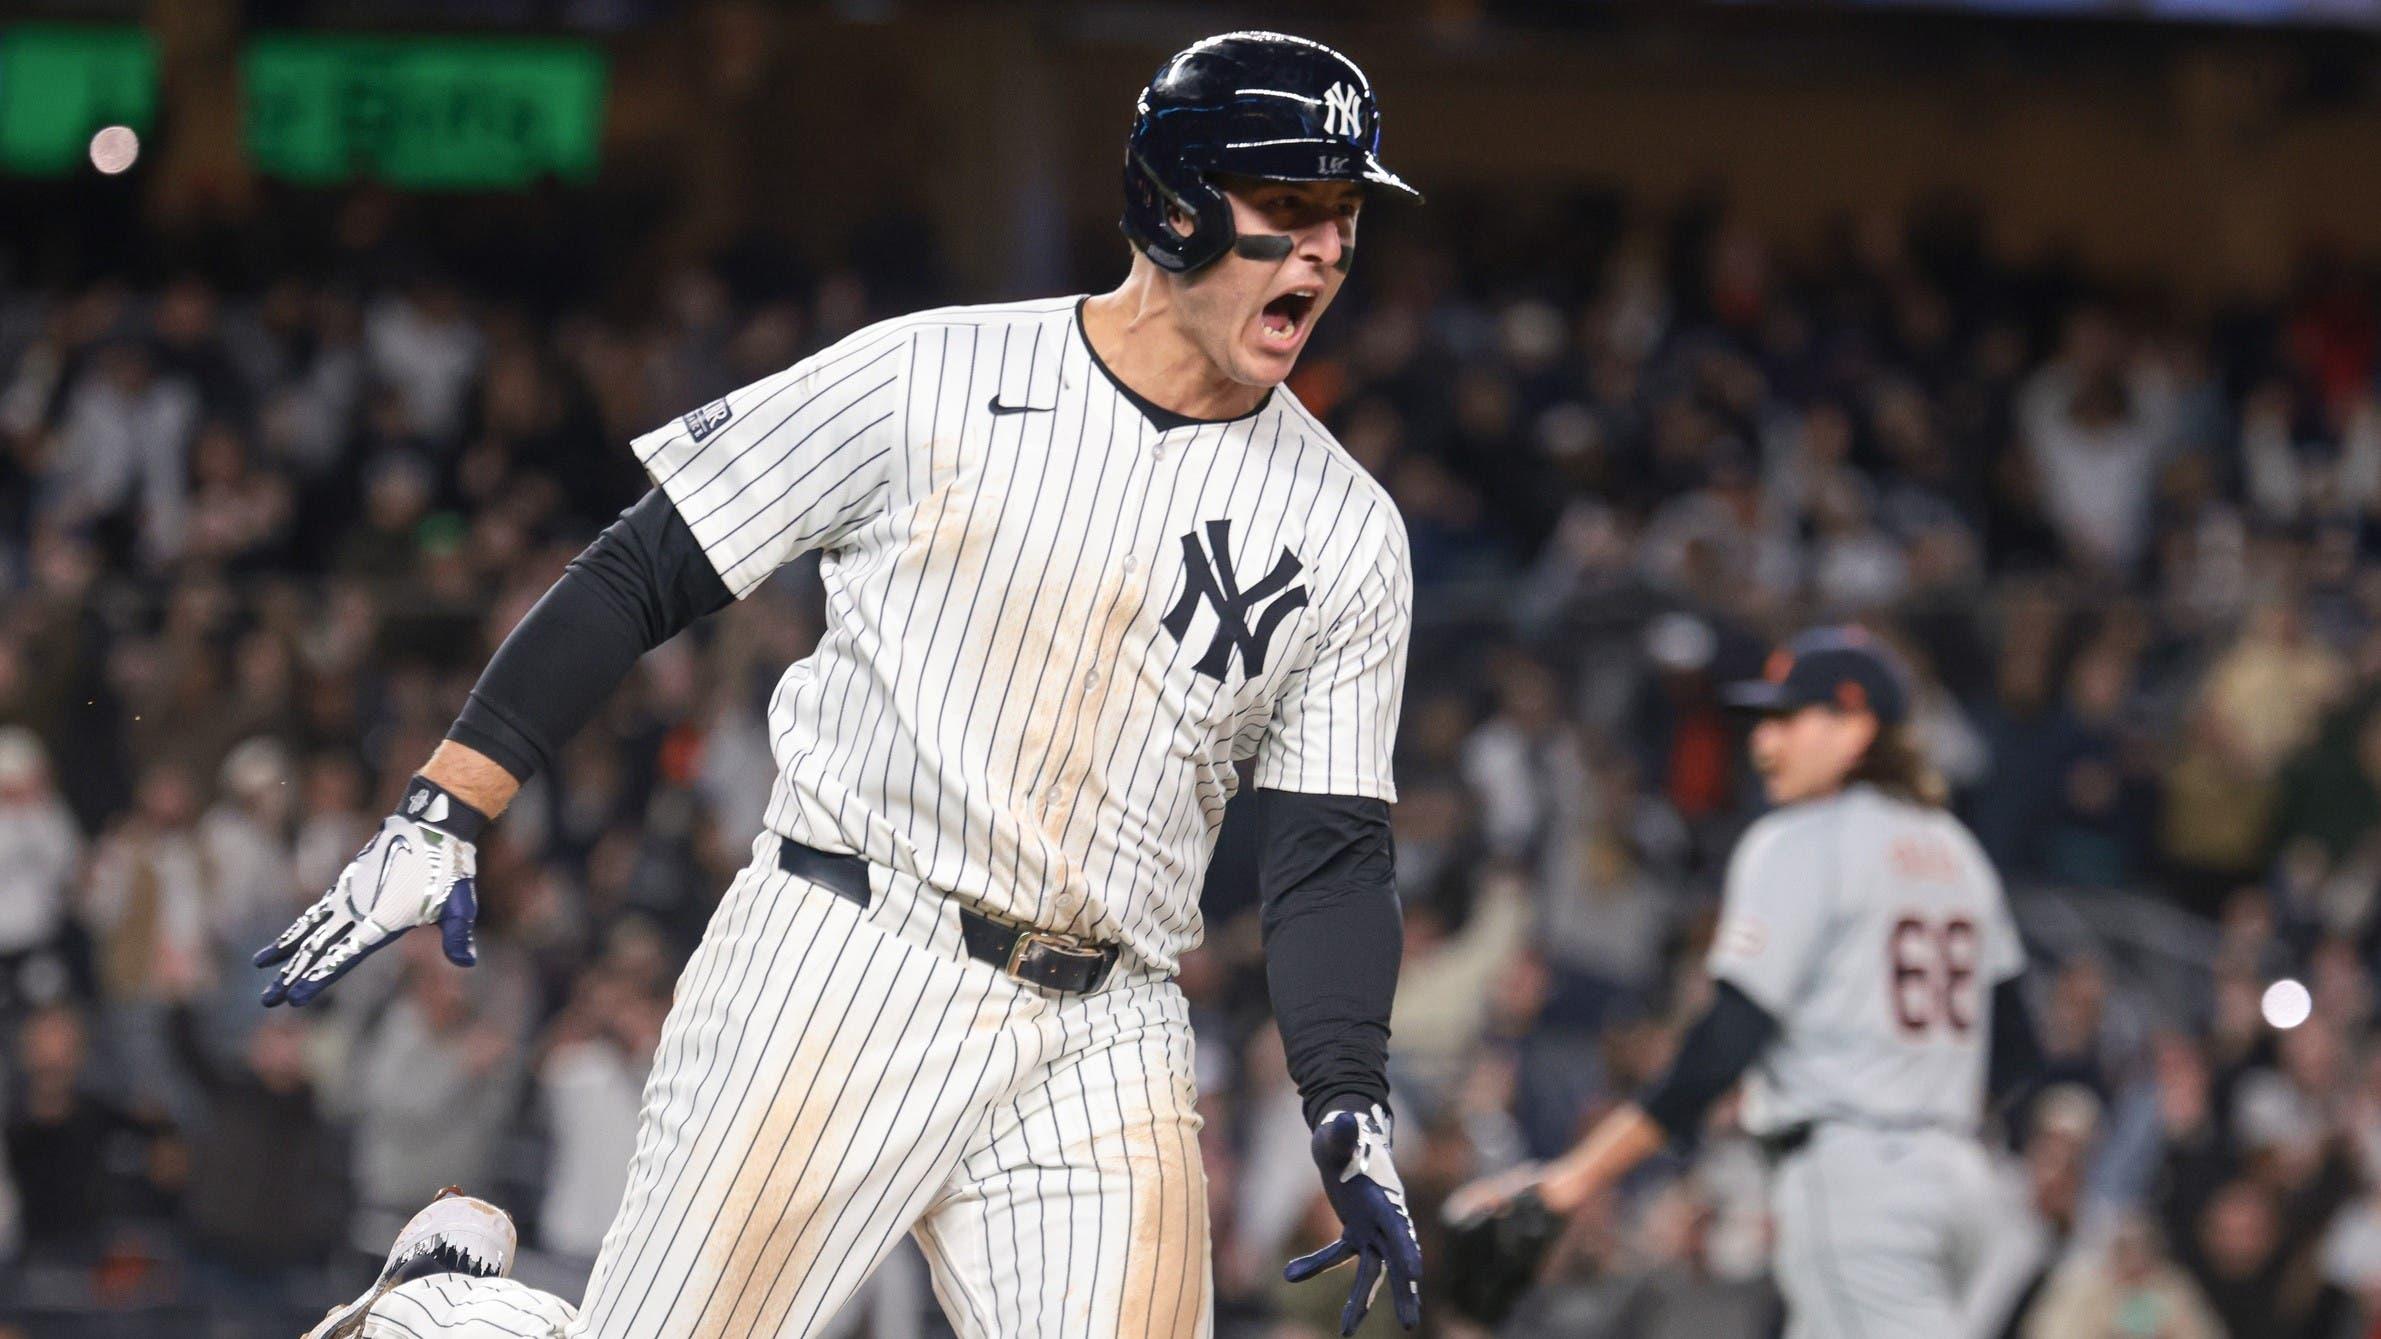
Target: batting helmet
x: 1255, y: 104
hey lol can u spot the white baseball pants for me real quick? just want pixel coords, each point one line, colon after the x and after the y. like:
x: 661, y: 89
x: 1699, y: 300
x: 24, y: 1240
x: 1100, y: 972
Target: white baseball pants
x: 830, y: 1078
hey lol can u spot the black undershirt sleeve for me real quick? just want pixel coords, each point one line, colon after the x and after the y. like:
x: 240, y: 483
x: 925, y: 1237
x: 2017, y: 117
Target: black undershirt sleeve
x: 2015, y: 1058
x: 1327, y: 880
x: 643, y: 580
x: 1712, y: 1056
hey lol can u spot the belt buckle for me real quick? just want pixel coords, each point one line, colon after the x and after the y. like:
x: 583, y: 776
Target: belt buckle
x: 1028, y: 940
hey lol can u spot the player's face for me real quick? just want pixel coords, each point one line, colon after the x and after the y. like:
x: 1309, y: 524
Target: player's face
x: 1252, y: 317
x: 1804, y: 754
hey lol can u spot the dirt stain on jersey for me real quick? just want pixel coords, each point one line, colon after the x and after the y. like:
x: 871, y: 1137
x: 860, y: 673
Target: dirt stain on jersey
x: 776, y: 1200
x: 1094, y: 693
x: 1167, y: 1274
x: 954, y: 524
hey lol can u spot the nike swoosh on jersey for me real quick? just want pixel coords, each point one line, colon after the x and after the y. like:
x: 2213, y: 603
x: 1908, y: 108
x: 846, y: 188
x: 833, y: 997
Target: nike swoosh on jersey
x: 998, y: 408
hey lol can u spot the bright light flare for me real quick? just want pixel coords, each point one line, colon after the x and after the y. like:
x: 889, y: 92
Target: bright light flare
x: 114, y: 149
x: 2287, y: 1004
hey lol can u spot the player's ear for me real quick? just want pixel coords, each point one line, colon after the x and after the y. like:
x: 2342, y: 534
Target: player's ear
x: 1867, y: 729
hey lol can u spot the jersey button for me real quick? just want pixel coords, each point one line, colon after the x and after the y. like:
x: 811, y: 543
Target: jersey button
x: 1132, y: 563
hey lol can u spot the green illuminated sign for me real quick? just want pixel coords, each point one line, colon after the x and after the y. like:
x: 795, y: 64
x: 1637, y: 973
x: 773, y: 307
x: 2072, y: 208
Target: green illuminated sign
x: 59, y: 83
x: 438, y: 113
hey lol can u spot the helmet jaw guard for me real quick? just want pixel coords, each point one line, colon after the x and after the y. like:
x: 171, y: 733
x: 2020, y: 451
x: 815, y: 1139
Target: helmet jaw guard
x: 1256, y: 104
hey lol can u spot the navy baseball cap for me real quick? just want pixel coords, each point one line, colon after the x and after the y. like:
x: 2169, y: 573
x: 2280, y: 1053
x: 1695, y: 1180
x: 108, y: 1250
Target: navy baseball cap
x: 1844, y: 667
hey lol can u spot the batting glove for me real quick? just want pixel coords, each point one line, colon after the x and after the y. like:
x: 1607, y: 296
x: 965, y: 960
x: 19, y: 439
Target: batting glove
x: 1376, y: 1231
x: 417, y: 870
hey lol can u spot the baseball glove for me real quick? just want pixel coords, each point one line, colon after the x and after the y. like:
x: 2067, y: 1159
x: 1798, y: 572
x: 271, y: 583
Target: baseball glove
x: 1492, y: 1259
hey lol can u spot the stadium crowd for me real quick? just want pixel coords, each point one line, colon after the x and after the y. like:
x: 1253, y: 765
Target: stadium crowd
x: 261, y: 523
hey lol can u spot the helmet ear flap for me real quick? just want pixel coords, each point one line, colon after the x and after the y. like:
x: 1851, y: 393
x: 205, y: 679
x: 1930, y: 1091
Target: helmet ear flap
x: 1151, y: 201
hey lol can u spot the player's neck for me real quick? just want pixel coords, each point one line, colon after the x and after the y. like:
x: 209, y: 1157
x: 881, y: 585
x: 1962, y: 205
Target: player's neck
x: 1138, y: 333
x: 1813, y: 794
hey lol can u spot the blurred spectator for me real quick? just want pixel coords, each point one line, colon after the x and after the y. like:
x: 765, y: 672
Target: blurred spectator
x: 2041, y: 1198
x: 1688, y: 1285
x: 1522, y: 764
x: 2103, y: 810
x: 1447, y: 985
x: 590, y: 1084
x: 421, y: 341
x: 259, y: 1239
x: 238, y: 514
x: 154, y: 890
x: 2128, y: 1287
x: 2271, y: 688
x: 1686, y: 746
x: 2251, y: 1192
x: 246, y: 841
x: 116, y: 463
x: 2098, y: 424
x: 332, y: 825
x: 433, y: 1085
x: 41, y: 853
x: 1605, y: 915
x: 83, y: 1169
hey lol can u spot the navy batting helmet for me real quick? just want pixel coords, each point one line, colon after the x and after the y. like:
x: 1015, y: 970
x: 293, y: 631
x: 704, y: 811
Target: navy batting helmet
x: 1255, y: 104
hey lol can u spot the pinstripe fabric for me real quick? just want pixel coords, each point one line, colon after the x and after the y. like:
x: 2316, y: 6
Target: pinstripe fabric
x: 452, y: 1306
x: 997, y: 707
x: 832, y: 1078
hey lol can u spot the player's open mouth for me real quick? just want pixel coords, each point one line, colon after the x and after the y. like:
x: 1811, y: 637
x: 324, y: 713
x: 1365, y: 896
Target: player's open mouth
x: 1286, y: 315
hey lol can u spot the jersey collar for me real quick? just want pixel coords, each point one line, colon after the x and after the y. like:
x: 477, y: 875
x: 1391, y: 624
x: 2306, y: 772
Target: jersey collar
x: 1160, y: 417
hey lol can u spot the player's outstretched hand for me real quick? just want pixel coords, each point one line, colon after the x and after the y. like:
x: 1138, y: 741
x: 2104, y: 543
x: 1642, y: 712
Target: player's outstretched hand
x: 417, y: 870
x: 1376, y: 1231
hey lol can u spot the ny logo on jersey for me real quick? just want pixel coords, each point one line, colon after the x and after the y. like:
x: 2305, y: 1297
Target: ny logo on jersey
x: 1208, y: 578
x: 1343, y: 111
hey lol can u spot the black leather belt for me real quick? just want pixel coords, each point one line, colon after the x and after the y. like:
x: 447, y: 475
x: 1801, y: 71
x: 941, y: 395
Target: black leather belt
x: 846, y: 876
x: 1036, y: 957
x: 1780, y: 1145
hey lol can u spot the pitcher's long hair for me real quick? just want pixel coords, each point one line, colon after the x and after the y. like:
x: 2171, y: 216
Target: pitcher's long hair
x: 1896, y: 765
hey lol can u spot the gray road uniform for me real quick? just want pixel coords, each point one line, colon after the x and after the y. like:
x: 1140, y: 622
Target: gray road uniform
x: 1873, y: 932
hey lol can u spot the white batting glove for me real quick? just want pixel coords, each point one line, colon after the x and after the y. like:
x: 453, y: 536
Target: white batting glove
x: 417, y: 870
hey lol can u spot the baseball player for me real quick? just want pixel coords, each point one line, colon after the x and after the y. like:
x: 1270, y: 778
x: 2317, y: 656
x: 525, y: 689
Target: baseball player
x: 1865, y: 984
x: 1082, y: 556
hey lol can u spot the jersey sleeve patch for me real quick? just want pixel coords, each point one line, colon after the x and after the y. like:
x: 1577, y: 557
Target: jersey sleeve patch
x: 709, y: 419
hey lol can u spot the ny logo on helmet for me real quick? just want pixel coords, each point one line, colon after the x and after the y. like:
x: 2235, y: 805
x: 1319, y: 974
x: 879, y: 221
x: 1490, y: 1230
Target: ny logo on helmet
x: 1343, y: 111
x: 1208, y: 578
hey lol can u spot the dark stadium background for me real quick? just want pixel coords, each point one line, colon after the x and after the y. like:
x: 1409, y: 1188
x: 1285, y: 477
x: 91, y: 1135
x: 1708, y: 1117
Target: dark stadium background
x: 2047, y: 343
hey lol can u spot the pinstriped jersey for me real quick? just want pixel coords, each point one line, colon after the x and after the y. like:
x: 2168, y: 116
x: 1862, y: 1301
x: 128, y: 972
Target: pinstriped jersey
x: 1053, y: 624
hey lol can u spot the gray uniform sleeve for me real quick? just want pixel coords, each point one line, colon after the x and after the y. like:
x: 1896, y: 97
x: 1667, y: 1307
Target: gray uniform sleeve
x: 1774, y: 914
